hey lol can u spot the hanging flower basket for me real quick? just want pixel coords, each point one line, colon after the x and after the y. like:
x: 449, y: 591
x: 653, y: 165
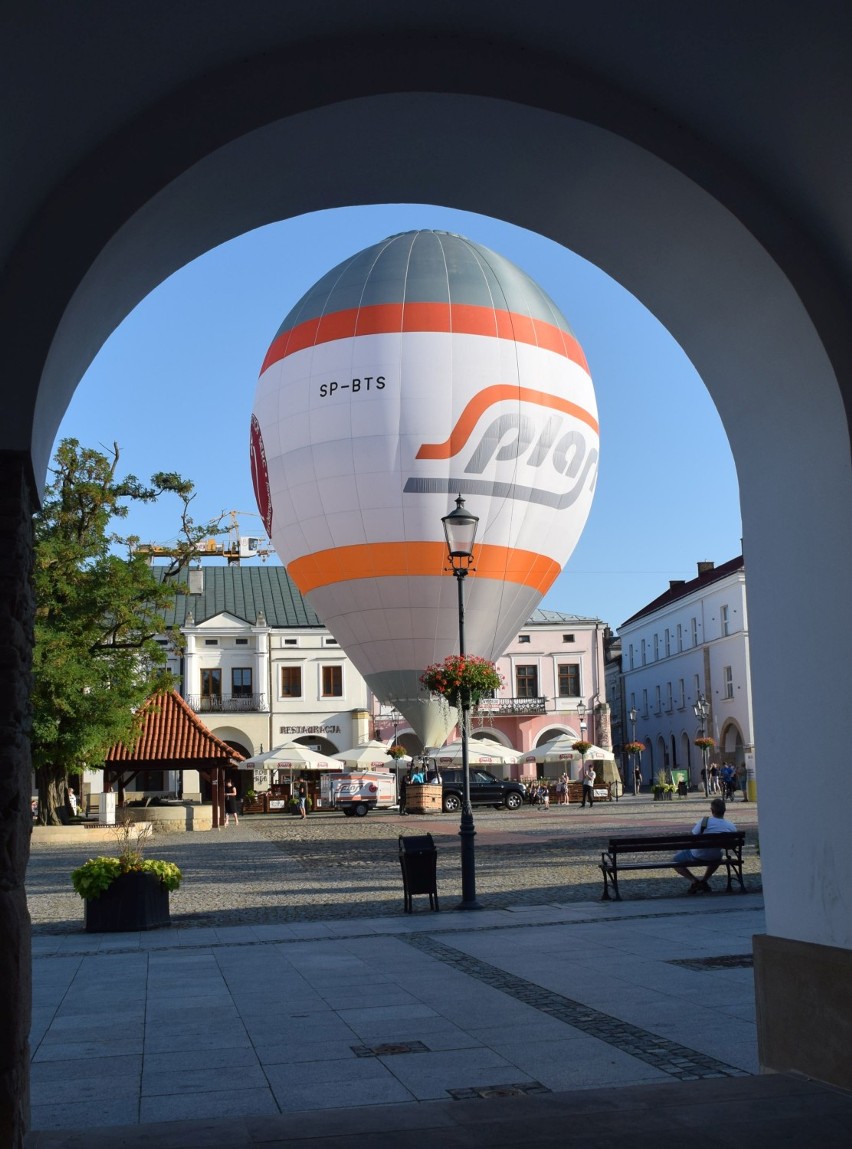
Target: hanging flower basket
x: 634, y: 747
x: 462, y: 679
x: 581, y: 747
x: 705, y: 743
x: 397, y: 751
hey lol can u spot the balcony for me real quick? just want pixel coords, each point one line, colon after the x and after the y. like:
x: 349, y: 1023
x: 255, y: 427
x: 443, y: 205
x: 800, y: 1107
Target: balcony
x: 508, y: 707
x: 214, y: 704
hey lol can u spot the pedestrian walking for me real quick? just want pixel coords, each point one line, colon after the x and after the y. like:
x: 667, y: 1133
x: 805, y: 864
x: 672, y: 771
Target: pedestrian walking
x: 302, y: 796
x: 729, y: 781
x: 589, y: 776
x: 714, y: 779
x: 231, y: 803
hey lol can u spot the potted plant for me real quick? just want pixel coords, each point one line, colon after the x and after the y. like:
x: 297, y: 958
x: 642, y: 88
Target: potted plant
x: 462, y: 679
x: 397, y: 751
x: 634, y: 747
x: 663, y: 789
x: 127, y: 892
x: 705, y: 742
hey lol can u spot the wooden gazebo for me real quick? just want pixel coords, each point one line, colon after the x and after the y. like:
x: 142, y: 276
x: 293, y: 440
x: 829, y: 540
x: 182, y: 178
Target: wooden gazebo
x: 173, y: 737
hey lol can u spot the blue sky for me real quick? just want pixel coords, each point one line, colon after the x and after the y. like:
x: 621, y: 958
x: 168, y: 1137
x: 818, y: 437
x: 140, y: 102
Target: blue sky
x: 174, y: 387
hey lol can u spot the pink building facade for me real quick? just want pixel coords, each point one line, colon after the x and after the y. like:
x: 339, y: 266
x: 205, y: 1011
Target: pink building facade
x: 553, y: 684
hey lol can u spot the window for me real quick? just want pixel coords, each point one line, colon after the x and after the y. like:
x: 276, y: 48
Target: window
x: 631, y: 655
x: 679, y: 638
x: 569, y: 680
x: 656, y: 647
x: 644, y: 659
x: 567, y: 637
x: 669, y: 697
x: 527, y: 680
x: 681, y: 687
x: 728, y: 677
x: 211, y: 683
x: 242, y: 642
x: 211, y: 642
x: 726, y: 622
x: 695, y: 632
x: 523, y: 638
x: 241, y: 682
x: 644, y: 703
x: 291, y: 682
x: 668, y: 642
x: 290, y: 642
x: 696, y: 686
x: 330, y: 641
x: 332, y: 682
x: 658, y: 704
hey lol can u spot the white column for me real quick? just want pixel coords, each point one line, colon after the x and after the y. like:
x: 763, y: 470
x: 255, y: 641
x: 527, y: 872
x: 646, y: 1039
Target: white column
x: 191, y: 683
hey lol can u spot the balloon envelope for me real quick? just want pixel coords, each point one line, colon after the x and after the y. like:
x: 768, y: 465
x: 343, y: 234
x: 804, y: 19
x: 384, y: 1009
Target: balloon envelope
x: 424, y: 367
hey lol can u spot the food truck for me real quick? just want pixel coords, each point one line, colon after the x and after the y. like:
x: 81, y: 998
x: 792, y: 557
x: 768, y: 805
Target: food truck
x: 356, y: 792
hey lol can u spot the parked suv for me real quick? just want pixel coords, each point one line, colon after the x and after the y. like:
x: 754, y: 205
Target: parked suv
x: 485, y: 790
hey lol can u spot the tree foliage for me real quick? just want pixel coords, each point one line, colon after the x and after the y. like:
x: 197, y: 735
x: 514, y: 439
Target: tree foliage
x: 98, y: 612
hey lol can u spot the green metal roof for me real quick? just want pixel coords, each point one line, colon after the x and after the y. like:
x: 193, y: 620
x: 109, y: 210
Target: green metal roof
x: 242, y: 591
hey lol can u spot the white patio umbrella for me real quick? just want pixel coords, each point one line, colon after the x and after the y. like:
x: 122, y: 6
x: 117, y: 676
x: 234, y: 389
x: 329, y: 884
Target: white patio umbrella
x: 560, y: 752
x: 293, y: 756
x: 368, y: 756
x: 481, y: 752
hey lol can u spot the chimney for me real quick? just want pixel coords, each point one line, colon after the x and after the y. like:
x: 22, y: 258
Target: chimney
x: 676, y: 583
x: 705, y: 568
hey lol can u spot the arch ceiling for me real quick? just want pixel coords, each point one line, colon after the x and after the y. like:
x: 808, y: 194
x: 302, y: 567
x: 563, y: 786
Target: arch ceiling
x: 704, y: 165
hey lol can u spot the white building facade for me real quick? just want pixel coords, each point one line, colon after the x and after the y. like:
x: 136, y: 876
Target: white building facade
x: 690, y: 647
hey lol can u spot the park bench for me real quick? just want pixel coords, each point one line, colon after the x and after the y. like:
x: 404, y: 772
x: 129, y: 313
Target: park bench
x: 635, y: 853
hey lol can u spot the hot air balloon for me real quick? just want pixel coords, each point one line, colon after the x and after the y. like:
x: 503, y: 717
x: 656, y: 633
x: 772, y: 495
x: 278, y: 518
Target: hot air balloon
x: 424, y: 367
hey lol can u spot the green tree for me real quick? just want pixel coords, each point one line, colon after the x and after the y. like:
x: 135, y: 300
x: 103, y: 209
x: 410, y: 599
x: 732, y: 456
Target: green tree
x: 98, y: 612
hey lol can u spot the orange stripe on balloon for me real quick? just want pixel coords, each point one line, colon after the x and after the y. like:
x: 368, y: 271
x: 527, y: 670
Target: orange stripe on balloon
x: 487, y: 398
x: 458, y: 318
x: 402, y: 560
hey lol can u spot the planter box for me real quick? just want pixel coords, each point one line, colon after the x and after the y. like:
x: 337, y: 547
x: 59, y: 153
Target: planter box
x: 425, y: 799
x: 135, y: 901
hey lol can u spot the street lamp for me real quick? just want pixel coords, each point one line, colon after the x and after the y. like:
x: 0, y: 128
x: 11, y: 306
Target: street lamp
x: 581, y: 714
x: 633, y: 714
x: 701, y: 709
x: 460, y: 532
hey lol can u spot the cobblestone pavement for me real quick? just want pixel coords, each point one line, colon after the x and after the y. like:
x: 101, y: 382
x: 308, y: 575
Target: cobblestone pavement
x: 280, y: 868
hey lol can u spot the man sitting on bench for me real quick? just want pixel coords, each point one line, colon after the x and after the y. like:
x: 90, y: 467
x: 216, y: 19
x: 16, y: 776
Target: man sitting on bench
x: 716, y: 823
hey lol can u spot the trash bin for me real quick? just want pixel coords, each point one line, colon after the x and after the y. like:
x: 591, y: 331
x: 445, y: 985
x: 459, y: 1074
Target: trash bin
x: 418, y: 857
x: 681, y: 781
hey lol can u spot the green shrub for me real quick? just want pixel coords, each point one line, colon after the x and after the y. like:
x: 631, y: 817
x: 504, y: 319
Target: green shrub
x: 96, y: 875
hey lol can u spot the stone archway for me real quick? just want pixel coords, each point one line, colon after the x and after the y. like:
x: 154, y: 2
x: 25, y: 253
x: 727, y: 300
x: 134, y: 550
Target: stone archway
x: 732, y: 745
x: 715, y: 240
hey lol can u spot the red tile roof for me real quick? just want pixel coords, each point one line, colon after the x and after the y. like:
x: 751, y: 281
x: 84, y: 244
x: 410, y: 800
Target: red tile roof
x: 172, y: 731
x: 682, y: 588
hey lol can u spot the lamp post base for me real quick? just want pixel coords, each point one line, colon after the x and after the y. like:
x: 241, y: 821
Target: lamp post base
x: 467, y: 833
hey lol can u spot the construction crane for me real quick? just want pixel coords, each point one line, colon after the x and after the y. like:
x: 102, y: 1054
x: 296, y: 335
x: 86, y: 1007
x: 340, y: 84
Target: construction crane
x: 234, y: 548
